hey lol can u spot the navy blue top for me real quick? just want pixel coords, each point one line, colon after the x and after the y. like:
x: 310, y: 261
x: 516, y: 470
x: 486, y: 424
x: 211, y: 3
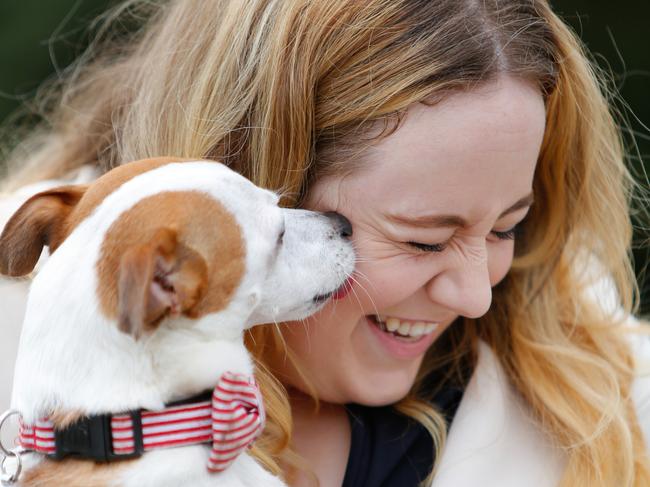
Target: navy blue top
x: 391, y: 450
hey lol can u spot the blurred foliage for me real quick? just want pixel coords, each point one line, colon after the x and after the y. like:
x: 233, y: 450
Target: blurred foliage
x: 38, y: 38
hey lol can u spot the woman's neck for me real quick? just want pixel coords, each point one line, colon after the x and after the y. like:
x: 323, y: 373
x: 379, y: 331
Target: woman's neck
x: 321, y: 436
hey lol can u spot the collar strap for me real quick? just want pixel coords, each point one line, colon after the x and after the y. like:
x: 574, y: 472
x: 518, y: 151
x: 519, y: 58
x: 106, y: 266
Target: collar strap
x: 231, y: 420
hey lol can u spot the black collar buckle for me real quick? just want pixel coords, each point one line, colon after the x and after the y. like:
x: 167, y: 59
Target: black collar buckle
x: 91, y: 438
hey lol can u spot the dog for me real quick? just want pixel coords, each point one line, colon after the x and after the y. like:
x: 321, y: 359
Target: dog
x: 156, y: 270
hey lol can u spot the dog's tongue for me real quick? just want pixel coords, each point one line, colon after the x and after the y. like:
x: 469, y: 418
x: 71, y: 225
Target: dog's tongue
x: 343, y: 291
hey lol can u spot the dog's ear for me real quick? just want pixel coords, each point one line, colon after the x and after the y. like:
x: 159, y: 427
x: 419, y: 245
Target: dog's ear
x: 39, y: 222
x: 160, y: 278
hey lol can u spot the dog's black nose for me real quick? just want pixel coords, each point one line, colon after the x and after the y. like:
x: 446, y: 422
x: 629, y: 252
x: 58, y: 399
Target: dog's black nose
x: 342, y: 224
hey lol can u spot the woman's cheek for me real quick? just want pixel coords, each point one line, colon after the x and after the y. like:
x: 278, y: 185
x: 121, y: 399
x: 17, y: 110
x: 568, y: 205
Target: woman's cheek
x: 500, y: 255
x: 381, y: 284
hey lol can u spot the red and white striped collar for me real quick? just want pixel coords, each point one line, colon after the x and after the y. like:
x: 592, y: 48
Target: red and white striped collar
x: 231, y: 420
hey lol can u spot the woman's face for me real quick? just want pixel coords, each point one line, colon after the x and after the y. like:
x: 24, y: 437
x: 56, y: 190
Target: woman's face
x: 433, y: 208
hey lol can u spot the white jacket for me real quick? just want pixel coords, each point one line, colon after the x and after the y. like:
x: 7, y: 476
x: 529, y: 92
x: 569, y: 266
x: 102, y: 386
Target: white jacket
x: 493, y: 440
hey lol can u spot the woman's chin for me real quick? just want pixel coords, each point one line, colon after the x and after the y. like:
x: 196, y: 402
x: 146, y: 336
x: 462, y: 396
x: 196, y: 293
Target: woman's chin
x: 379, y: 389
x: 371, y: 389
x: 385, y: 400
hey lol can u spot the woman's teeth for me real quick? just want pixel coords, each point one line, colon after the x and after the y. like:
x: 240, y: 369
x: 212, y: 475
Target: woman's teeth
x: 411, y: 329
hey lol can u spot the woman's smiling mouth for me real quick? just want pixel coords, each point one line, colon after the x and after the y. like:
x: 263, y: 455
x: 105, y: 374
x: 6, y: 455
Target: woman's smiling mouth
x: 402, y: 328
x: 408, y: 340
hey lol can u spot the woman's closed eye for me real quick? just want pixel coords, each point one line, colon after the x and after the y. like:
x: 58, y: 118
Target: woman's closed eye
x: 428, y: 247
x: 507, y: 235
x: 510, y: 234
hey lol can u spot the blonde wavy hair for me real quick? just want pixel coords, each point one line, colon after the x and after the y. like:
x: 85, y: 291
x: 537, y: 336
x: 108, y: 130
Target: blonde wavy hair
x: 284, y: 91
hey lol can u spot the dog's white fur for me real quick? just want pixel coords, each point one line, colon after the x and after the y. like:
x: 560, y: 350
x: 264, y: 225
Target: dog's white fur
x: 71, y: 357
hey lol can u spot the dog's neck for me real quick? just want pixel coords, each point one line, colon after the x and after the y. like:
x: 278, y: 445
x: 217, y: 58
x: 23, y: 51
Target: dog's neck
x: 73, y: 359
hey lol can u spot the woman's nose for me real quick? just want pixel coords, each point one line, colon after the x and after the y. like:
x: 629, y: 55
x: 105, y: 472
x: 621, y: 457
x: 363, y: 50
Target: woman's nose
x: 464, y: 288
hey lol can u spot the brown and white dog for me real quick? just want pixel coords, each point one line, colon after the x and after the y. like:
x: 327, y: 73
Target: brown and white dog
x: 156, y: 270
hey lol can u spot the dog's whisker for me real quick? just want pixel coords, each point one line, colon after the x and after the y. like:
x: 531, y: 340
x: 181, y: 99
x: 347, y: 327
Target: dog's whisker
x: 366, y: 259
x: 363, y: 276
x: 372, y: 301
x: 356, y: 296
x: 305, y: 326
x: 252, y: 336
x: 366, y: 278
x: 281, y: 336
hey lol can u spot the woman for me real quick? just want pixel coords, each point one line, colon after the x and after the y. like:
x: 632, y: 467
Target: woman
x: 432, y: 126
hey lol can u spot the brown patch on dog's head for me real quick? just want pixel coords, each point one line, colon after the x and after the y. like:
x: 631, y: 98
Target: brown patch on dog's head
x: 112, y: 180
x: 159, y: 278
x: 47, y: 218
x: 173, y: 253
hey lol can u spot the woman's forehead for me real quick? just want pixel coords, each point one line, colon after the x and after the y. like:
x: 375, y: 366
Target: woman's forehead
x: 475, y: 149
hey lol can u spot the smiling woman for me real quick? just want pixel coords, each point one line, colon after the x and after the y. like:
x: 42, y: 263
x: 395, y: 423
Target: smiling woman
x: 473, y: 151
x: 433, y: 207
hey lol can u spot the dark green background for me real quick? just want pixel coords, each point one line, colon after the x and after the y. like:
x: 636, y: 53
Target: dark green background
x: 39, y: 37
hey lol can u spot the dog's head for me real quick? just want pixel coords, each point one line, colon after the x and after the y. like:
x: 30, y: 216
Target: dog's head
x: 158, y: 239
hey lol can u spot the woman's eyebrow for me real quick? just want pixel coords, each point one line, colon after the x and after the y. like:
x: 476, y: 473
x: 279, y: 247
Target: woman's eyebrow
x: 427, y: 221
